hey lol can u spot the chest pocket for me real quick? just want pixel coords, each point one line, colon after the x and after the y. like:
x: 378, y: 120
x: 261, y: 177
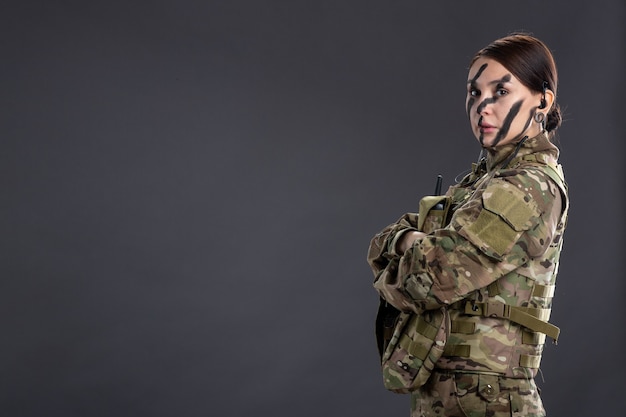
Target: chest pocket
x: 433, y: 213
x: 507, y: 212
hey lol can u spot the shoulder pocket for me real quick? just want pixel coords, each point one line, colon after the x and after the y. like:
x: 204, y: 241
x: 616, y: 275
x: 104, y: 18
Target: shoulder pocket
x: 507, y: 212
x: 510, y: 203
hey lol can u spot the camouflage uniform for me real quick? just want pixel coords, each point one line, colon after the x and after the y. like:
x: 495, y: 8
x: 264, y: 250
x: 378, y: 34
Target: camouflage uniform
x: 492, y: 262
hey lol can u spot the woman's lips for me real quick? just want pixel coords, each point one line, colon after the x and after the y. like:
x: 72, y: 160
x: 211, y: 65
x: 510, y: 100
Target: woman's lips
x: 486, y: 128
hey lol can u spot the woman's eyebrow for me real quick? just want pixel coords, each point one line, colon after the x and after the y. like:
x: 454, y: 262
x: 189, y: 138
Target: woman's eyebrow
x: 505, y: 79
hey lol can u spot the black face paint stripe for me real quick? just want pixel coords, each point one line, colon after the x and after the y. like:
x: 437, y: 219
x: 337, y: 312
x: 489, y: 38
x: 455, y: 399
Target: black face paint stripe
x: 484, y: 103
x: 472, y: 83
x: 505, y: 79
x: 499, y: 84
x: 531, y: 114
x: 528, y: 122
x: 506, y: 125
x: 470, y: 104
x: 478, y: 73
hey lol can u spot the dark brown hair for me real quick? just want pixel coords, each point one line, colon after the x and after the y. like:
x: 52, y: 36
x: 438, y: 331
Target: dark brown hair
x: 531, y: 62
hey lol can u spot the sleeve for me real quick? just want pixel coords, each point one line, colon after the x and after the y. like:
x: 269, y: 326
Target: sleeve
x: 382, y: 246
x: 492, y: 234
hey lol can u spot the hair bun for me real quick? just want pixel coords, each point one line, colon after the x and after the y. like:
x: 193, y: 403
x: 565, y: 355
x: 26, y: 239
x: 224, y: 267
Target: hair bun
x: 553, y: 118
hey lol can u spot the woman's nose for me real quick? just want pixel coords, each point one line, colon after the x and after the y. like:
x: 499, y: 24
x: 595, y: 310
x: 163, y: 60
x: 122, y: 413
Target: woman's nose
x: 484, y: 105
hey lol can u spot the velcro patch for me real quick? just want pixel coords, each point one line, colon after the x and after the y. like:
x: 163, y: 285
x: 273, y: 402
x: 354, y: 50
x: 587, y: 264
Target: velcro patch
x: 510, y: 203
x: 492, y: 234
x: 505, y: 215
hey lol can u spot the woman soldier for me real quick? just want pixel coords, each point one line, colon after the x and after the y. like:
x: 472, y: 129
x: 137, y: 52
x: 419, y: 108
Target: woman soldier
x: 486, y: 254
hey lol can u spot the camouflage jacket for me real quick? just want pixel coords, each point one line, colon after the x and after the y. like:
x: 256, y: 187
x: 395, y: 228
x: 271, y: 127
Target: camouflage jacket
x: 493, y: 260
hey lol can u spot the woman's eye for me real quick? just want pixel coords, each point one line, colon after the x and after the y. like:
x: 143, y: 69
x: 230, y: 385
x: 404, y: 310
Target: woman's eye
x: 501, y: 92
x: 474, y: 93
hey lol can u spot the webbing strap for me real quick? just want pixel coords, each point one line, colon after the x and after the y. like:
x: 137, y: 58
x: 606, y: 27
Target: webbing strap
x: 426, y: 329
x: 530, y: 361
x: 422, y: 328
x: 533, y: 338
x: 530, y: 318
x: 539, y: 290
x: 464, y: 327
x: 413, y: 348
x: 457, y: 350
x: 527, y: 361
x: 544, y: 291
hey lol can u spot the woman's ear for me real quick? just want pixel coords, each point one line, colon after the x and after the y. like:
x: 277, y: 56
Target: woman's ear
x: 549, y: 99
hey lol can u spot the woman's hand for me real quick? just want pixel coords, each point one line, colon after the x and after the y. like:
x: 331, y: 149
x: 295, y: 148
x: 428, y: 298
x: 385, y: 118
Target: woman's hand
x: 407, y: 240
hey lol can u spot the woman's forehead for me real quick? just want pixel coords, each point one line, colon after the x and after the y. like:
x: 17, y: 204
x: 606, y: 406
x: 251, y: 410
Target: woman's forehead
x: 485, y: 70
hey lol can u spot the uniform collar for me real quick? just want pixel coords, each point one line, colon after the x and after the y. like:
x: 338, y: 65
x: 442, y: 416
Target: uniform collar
x: 499, y: 155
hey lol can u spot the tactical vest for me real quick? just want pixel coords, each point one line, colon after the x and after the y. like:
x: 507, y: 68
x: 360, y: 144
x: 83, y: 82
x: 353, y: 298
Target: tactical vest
x: 494, y: 330
x: 501, y: 329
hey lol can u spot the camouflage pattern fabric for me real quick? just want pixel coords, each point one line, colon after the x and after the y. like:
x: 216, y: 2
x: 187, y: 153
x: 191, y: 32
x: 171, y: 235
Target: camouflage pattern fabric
x: 480, y: 245
x: 498, y: 248
x: 417, y: 343
x: 454, y: 394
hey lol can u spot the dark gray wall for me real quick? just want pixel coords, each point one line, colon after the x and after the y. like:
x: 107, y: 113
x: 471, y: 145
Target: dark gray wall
x: 189, y: 189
